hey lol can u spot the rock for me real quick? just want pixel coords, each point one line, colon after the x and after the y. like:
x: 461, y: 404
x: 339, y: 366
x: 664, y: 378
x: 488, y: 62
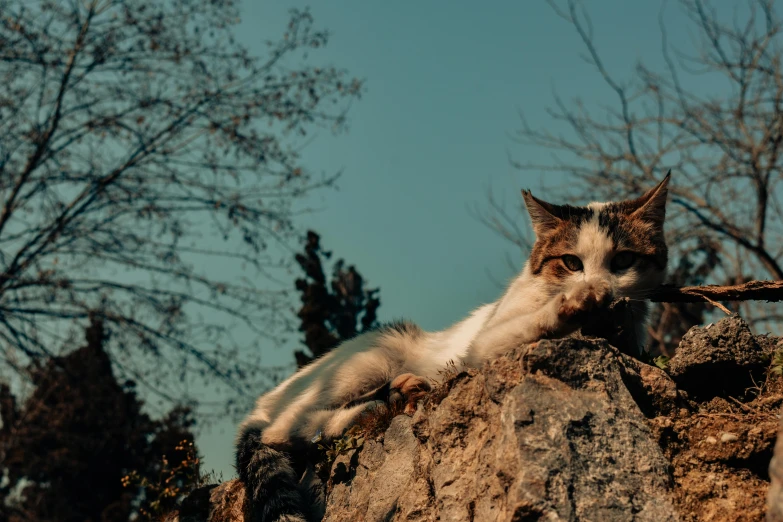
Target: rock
x: 568, y: 430
x: 775, y: 494
x: 384, y: 472
x: 214, y: 503
x: 721, y: 359
x: 549, y: 431
x: 652, y: 388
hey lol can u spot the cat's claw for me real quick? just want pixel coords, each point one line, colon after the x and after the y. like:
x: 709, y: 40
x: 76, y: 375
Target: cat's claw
x: 409, y: 388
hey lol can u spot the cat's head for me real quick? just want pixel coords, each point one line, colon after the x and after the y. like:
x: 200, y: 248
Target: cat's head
x: 622, y: 242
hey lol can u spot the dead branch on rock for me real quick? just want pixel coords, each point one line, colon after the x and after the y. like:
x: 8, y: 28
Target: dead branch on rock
x: 770, y: 291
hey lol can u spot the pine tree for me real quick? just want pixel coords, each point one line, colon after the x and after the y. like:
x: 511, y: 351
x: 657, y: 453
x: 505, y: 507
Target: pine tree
x: 65, y: 450
x: 330, y: 314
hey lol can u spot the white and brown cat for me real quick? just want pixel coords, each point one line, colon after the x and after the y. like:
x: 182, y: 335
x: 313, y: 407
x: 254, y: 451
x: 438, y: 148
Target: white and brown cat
x: 583, y: 257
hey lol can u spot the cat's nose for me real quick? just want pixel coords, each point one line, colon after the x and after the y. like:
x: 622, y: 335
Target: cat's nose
x: 603, y: 290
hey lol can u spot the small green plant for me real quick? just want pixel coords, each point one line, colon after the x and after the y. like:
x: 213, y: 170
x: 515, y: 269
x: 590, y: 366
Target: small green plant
x: 661, y: 362
x: 777, y: 363
x: 351, y: 439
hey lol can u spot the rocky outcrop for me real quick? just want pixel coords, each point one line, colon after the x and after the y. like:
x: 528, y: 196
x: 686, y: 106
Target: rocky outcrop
x: 215, y: 503
x: 569, y: 430
x: 718, y: 360
x: 775, y: 495
x: 548, y: 432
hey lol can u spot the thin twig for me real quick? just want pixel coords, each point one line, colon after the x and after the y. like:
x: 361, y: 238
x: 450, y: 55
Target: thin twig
x: 717, y: 305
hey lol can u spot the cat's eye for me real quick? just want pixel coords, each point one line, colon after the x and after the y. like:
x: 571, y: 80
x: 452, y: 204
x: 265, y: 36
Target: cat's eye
x: 623, y: 260
x: 572, y: 263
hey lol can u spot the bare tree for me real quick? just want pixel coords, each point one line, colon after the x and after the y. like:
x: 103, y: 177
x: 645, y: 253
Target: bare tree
x: 134, y: 137
x: 725, y: 220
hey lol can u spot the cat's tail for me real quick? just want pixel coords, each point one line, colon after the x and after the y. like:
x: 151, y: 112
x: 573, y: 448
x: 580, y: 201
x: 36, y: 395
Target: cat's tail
x: 270, y: 481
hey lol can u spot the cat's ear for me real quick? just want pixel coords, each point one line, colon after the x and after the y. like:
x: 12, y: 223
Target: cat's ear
x: 541, y: 214
x: 651, y: 206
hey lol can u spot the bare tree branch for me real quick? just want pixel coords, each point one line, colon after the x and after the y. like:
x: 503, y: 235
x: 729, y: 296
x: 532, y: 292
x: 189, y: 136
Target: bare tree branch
x: 770, y: 291
x: 140, y: 143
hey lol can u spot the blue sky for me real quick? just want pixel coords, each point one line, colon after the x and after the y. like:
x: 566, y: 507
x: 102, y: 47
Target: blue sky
x: 445, y: 82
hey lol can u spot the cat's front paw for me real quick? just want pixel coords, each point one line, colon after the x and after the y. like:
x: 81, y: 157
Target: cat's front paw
x: 576, y: 304
x: 408, y: 388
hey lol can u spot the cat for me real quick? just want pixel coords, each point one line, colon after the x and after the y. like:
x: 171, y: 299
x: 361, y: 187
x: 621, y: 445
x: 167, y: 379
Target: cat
x: 582, y: 258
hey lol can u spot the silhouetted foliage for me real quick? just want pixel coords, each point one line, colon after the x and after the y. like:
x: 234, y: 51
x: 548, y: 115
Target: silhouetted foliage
x: 136, y: 135
x: 66, y: 449
x: 331, y: 314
